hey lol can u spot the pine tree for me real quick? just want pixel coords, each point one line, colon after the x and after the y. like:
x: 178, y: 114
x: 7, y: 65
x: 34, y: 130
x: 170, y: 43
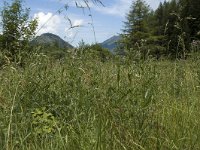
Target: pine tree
x: 175, y: 37
x: 191, y: 12
x: 136, y: 30
x: 169, y: 30
x: 170, y: 26
x: 159, y: 15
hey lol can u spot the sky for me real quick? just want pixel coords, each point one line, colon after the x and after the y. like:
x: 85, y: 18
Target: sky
x: 74, y: 24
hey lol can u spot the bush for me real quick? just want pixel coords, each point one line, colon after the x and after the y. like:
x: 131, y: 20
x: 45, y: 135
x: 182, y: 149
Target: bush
x: 95, y: 51
x: 18, y: 30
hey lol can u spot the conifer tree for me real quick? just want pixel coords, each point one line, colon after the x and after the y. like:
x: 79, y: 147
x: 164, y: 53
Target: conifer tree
x: 191, y: 12
x: 159, y: 15
x: 136, y: 30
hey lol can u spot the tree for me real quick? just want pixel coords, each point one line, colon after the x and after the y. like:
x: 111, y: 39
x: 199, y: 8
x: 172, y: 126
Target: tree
x: 136, y: 29
x: 170, y: 24
x: 18, y: 30
x: 159, y: 15
x: 136, y: 22
x: 175, y: 37
x: 191, y: 13
x: 182, y: 28
x: 169, y: 30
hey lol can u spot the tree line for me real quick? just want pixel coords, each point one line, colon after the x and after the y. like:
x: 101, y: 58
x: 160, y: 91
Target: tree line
x: 170, y: 31
x: 167, y: 31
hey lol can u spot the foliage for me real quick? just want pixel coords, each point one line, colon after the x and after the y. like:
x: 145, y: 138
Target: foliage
x: 96, y: 105
x: 168, y: 31
x: 175, y: 37
x: 94, y: 51
x: 43, y: 122
x: 136, y: 28
x: 141, y: 38
x: 18, y: 30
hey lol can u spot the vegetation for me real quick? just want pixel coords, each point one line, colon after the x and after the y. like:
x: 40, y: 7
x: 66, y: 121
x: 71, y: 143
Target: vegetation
x: 93, y: 51
x: 136, y: 30
x: 51, y: 45
x: 83, y: 103
x: 167, y: 31
x: 18, y: 30
x: 91, y: 99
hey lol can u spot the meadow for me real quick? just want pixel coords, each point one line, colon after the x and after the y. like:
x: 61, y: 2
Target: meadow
x: 80, y: 103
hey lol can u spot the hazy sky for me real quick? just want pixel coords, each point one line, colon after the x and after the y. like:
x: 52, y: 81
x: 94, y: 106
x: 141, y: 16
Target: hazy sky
x: 107, y: 21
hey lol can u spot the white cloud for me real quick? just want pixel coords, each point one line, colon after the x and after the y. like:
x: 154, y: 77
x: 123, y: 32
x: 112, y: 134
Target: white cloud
x: 121, y: 7
x: 47, y: 22
x: 59, y: 25
x: 78, y: 22
x: 118, y: 8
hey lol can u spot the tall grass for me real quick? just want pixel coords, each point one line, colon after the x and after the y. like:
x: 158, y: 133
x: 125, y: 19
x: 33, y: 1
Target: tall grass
x: 80, y: 103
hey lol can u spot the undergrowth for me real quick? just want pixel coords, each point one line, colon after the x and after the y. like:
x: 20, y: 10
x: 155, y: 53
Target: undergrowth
x: 81, y: 103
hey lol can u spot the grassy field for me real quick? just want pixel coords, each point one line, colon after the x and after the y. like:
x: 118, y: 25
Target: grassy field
x: 85, y: 104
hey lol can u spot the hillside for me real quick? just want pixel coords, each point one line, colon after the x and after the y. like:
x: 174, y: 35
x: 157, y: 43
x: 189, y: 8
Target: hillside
x: 110, y: 43
x: 50, y: 40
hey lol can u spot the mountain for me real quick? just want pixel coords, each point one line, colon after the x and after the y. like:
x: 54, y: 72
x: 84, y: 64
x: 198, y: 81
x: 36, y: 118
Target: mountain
x: 50, y: 40
x: 110, y: 43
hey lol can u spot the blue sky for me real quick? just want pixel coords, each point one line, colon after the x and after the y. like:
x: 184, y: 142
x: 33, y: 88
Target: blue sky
x: 106, y: 21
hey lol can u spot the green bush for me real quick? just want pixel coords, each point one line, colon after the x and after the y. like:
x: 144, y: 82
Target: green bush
x: 17, y: 30
x: 95, y: 51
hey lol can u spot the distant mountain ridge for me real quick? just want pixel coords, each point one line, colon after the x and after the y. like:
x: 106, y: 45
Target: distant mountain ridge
x: 50, y: 40
x: 111, y: 43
